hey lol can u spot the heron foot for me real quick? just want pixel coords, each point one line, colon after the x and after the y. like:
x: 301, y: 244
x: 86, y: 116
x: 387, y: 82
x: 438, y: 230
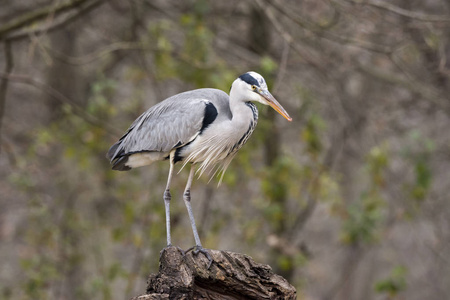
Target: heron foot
x: 199, y: 249
x: 183, y: 253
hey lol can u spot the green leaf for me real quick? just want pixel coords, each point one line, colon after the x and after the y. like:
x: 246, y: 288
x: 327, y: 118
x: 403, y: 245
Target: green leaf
x: 394, y: 283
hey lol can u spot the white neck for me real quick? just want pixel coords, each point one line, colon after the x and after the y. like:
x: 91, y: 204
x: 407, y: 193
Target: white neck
x: 239, y: 109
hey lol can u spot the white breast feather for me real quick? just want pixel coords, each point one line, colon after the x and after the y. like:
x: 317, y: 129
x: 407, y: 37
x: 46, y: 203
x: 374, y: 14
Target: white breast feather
x: 211, y: 151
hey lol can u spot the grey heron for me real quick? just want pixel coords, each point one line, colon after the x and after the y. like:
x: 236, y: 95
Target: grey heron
x: 204, y: 127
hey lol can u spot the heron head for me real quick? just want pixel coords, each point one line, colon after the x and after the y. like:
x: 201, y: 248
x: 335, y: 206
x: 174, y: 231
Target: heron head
x: 253, y: 87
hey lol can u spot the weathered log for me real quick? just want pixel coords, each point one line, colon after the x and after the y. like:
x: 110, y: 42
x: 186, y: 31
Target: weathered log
x: 231, y: 276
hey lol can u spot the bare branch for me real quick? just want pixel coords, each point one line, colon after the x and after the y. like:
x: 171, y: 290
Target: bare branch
x: 78, y: 110
x: 410, y: 83
x: 88, y: 58
x: 403, y: 12
x: 37, y: 15
x: 287, y: 37
x: 117, y: 46
x: 4, y: 82
x: 55, y: 25
x: 321, y: 32
x: 282, y: 68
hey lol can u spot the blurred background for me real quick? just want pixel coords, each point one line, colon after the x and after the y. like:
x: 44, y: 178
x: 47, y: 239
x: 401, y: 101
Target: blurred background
x: 348, y: 201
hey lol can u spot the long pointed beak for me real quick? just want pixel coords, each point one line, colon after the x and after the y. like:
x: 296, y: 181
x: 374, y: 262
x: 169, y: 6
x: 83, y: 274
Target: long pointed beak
x: 274, y: 104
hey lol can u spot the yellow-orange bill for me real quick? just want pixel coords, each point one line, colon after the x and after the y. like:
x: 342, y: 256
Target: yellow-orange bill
x: 275, y: 105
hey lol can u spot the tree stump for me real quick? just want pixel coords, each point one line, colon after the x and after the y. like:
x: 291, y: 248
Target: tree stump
x: 231, y: 276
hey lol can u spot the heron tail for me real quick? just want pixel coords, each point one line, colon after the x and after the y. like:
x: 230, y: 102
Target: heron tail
x: 118, y: 161
x: 120, y: 164
x: 110, y: 155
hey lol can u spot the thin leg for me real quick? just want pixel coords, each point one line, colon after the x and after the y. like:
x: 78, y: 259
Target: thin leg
x: 187, y: 201
x: 167, y: 198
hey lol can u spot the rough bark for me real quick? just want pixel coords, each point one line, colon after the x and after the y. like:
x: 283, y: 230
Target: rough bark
x: 231, y: 276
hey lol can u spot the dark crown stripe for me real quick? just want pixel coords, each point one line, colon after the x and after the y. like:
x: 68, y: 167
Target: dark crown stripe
x: 249, y: 79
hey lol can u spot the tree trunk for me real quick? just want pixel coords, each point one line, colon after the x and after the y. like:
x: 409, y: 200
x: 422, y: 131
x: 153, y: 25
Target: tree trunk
x: 231, y: 276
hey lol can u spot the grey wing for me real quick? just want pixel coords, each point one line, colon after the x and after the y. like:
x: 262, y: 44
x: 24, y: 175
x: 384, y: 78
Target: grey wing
x: 171, y: 123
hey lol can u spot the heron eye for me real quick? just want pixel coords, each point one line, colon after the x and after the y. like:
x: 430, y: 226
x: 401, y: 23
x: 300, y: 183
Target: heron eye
x: 253, y: 87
